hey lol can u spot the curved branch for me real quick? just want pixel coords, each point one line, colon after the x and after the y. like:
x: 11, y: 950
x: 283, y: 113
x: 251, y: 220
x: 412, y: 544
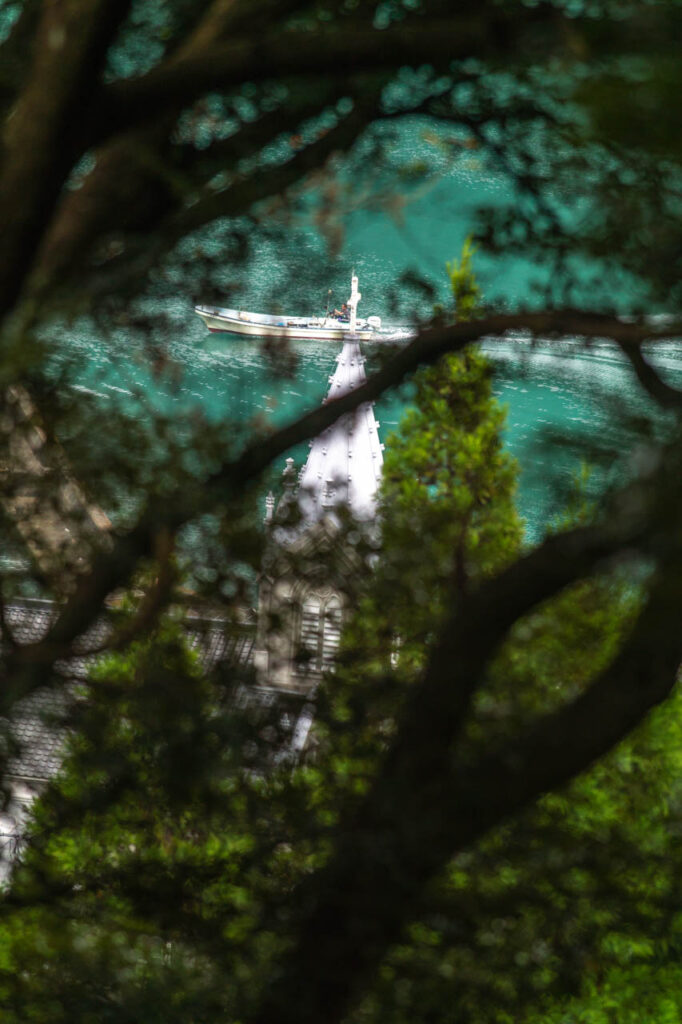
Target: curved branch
x: 428, y: 347
x: 235, y: 16
x: 664, y: 394
x: 15, y: 52
x: 28, y: 667
x: 138, y: 185
x: 273, y: 181
x: 422, y: 810
x: 239, y: 197
x: 490, y: 32
x: 41, y: 137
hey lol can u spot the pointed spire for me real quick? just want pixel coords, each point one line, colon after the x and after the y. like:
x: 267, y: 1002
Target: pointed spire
x: 344, y: 463
x: 289, y: 474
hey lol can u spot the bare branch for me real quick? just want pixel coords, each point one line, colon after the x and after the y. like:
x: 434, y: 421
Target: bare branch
x: 422, y: 810
x: 242, y: 195
x: 29, y: 666
x: 40, y: 138
x: 15, y: 52
x: 667, y: 396
x: 6, y: 636
x: 113, y: 568
x: 235, y: 16
x: 139, y: 185
x: 180, y: 80
x: 154, y: 600
x: 428, y: 347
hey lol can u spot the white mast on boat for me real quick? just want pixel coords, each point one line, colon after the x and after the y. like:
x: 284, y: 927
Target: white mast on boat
x: 355, y: 297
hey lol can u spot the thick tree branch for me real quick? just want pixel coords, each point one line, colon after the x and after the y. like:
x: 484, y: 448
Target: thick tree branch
x: 565, y: 743
x: 138, y: 185
x: 664, y: 394
x: 113, y: 568
x: 143, y: 254
x: 40, y: 138
x: 15, y: 52
x: 273, y: 181
x: 235, y: 16
x: 480, y: 32
x: 28, y: 667
x: 422, y: 810
x: 427, y: 348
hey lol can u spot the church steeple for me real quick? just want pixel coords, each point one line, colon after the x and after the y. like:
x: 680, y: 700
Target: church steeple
x: 343, y: 469
x: 345, y: 461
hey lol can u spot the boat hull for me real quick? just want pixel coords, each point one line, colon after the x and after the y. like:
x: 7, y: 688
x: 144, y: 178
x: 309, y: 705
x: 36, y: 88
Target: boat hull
x: 262, y: 326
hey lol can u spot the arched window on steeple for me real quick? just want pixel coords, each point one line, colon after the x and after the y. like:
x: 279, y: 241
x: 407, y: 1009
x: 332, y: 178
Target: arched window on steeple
x: 331, y: 631
x: 310, y: 629
x: 320, y: 631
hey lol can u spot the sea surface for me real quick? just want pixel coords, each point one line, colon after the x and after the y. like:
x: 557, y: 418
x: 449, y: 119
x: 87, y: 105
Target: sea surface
x: 567, y: 407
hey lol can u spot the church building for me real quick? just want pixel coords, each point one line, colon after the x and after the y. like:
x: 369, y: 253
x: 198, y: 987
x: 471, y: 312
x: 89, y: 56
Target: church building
x: 316, y: 535
x: 299, y: 613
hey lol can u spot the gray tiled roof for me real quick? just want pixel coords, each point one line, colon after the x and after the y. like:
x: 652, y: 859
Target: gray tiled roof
x: 217, y: 644
x: 36, y: 722
x: 36, y: 729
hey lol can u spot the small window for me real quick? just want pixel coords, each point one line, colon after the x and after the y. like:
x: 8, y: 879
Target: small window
x: 331, y: 631
x: 310, y: 627
x: 320, y: 631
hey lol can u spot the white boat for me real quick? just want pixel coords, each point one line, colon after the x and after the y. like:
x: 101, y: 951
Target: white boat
x: 322, y: 328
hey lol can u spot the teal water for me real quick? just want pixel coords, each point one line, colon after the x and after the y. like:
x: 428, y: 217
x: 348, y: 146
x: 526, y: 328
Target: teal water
x: 580, y: 396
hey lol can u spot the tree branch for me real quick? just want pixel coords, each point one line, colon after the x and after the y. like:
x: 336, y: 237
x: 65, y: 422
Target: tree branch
x: 427, y: 348
x: 664, y: 394
x: 485, y: 33
x: 29, y: 666
x: 40, y: 139
x: 140, y: 256
x: 15, y: 52
x: 236, y: 16
x: 422, y: 810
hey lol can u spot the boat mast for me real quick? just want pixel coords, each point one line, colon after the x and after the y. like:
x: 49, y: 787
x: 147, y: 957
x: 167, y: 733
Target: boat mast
x: 355, y: 297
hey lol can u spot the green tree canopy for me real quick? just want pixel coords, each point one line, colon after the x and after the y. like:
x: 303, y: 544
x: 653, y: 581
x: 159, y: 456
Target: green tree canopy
x: 146, y: 146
